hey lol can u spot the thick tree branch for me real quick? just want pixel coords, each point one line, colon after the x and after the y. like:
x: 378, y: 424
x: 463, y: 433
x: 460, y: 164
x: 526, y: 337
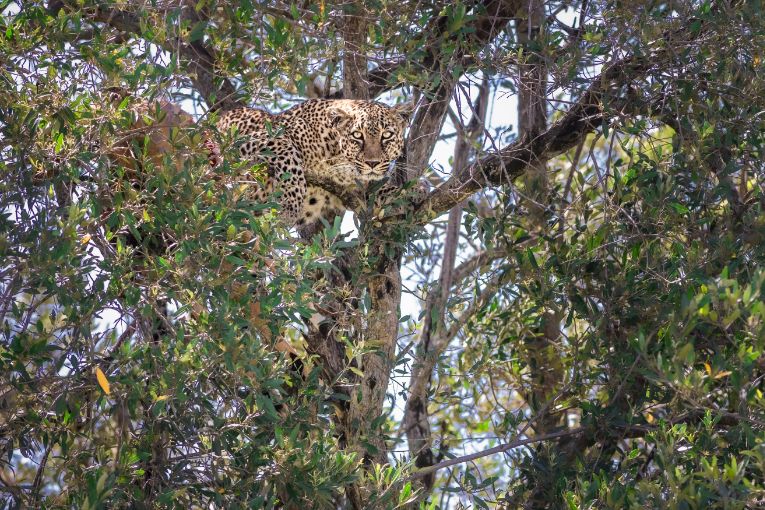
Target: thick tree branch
x: 493, y: 16
x: 583, y: 118
x: 503, y: 167
x: 354, y: 29
x: 377, y: 81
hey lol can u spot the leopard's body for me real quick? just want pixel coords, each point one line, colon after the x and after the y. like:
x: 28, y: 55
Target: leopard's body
x: 319, y: 151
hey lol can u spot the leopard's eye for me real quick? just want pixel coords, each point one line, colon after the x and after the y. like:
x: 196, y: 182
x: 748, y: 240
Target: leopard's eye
x: 387, y: 134
x: 358, y: 135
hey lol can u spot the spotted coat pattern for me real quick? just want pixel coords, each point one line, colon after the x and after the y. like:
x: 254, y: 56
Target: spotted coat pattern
x: 320, y: 151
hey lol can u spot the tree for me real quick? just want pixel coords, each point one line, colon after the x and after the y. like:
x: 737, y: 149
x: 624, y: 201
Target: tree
x: 583, y: 317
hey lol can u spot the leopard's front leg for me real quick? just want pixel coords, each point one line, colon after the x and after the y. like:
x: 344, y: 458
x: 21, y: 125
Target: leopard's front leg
x: 285, y: 175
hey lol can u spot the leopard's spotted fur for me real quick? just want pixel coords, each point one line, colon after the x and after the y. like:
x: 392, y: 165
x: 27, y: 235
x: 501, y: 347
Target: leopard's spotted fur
x: 319, y: 151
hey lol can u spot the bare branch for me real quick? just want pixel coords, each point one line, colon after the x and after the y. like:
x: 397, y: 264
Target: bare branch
x: 491, y: 451
x: 354, y: 28
x: 488, y: 292
x: 37, y: 484
x: 472, y: 264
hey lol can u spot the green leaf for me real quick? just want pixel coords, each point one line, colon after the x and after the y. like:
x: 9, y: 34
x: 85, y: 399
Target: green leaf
x: 532, y: 259
x: 197, y: 31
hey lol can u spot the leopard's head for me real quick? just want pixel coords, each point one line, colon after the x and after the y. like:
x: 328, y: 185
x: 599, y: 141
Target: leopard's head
x: 370, y: 135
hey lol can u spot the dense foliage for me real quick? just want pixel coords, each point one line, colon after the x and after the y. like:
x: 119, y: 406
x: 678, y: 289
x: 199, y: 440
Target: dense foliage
x: 571, y: 315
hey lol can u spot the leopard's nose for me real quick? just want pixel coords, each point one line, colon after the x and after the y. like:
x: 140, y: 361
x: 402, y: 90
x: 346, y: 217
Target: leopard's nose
x: 372, y: 163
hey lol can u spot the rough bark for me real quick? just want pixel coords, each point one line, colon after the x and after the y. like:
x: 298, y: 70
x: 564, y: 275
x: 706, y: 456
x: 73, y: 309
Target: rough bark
x: 381, y: 334
x: 354, y: 29
x: 377, y: 80
x: 532, y: 101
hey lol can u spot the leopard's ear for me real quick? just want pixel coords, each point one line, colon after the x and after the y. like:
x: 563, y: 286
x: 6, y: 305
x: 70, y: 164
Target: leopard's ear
x: 405, y: 109
x: 338, y: 117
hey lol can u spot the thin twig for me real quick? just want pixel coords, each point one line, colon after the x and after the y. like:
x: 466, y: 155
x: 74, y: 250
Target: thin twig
x: 39, y: 476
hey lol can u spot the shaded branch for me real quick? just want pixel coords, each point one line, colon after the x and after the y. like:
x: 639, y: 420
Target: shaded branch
x: 377, y: 80
x: 588, y: 436
x: 354, y: 29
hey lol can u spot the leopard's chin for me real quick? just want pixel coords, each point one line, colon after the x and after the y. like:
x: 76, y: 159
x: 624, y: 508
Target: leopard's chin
x: 374, y: 176
x: 368, y: 174
x: 375, y: 173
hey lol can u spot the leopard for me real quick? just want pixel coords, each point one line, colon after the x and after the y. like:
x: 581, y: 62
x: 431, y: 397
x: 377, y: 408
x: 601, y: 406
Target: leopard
x: 320, y: 154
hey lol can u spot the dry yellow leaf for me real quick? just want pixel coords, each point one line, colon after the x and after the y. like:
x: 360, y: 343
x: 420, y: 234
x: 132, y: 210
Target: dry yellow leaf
x: 708, y: 368
x: 724, y: 373
x: 102, y: 381
x: 85, y: 239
